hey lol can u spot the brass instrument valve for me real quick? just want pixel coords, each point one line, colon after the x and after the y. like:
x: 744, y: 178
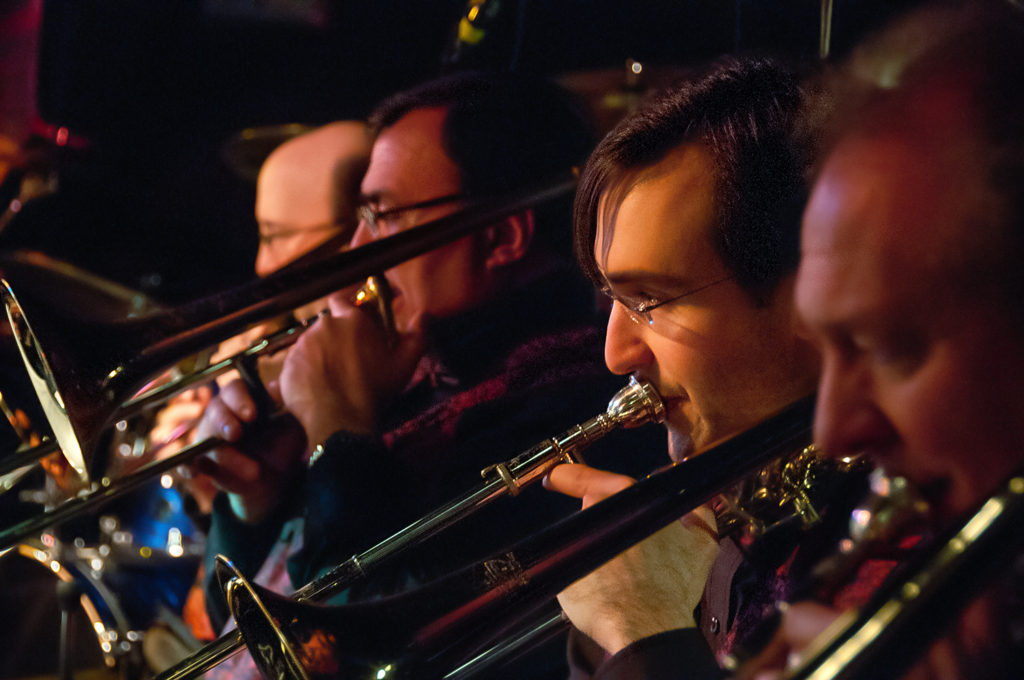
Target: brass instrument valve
x: 778, y: 494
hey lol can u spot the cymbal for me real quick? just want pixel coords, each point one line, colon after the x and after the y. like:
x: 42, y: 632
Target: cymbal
x: 245, y: 151
x: 612, y: 93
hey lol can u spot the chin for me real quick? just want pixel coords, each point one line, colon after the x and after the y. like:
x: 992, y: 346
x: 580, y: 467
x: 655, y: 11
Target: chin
x: 680, y: 446
x: 398, y: 312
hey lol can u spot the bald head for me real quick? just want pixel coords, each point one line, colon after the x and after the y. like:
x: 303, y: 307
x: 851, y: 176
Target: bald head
x: 910, y: 281
x: 306, y: 191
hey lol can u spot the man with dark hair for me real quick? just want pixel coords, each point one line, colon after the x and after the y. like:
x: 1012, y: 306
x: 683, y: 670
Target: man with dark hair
x: 505, y: 123
x: 910, y: 282
x: 752, y: 159
x: 498, y: 348
x: 687, y: 217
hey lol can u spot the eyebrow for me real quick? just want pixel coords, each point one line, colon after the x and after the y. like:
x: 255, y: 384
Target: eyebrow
x: 269, y: 226
x: 642, y: 276
x: 376, y: 197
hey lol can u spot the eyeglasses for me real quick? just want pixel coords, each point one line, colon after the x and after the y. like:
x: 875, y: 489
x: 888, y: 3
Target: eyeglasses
x: 272, y: 235
x: 374, y: 218
x: 654, y: 314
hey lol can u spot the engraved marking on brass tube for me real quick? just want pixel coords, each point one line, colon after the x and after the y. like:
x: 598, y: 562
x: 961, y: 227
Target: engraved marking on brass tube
x: 504, y: 573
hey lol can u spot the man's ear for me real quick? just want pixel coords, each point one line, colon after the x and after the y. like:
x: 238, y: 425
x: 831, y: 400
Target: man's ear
x: 509, y: 240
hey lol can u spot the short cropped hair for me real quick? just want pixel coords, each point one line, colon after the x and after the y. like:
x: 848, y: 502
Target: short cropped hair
x: 505, y: 132
x: 743, y: 111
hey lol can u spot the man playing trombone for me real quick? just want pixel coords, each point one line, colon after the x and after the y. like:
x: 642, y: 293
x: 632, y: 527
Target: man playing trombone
x: 687, y: 217
x: 496, y: 348
x: 306, y: 191
x: 910, y: 283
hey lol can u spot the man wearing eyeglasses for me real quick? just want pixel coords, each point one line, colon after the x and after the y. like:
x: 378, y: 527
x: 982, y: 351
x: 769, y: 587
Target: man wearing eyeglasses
x: 687, y: 217
x: 305, y: 194
x: 305, y: 190
x: 498, y: 348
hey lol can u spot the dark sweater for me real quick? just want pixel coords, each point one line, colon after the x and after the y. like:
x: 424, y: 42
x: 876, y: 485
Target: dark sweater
x: 509, y: 375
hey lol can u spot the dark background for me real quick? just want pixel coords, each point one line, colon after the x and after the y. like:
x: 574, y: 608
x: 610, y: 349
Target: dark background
x: 127, y: 107
x: 150, y: 92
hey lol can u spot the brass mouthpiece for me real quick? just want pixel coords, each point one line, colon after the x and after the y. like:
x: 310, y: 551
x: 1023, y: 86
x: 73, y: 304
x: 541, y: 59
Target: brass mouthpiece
x: 636, y: 404
x: 376, y: 291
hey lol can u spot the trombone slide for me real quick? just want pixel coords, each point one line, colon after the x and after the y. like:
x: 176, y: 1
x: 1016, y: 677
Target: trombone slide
x: 429, y: 631
x: 81, y: 384
x: 911, y: 610
x: 635, y: 404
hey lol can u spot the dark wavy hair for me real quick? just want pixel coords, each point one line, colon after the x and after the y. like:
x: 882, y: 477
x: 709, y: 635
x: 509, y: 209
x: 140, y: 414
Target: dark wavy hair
x: 743, y: 110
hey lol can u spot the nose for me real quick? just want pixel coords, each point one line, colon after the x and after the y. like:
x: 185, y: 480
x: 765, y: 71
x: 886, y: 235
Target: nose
x: 267, y: 261
x: 848, y: 418
x: 625, y: 350
x: 362, y: 235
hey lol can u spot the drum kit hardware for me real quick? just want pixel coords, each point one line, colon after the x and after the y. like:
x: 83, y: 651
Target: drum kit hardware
x: 85, y: 596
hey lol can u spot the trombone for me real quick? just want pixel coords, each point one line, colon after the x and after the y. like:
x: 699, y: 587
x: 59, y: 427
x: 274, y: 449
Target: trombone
x: 891, y: 631
x: 82, y: 385
x: 432, y: 629
x: 374, y: 291
x: 632, y: 406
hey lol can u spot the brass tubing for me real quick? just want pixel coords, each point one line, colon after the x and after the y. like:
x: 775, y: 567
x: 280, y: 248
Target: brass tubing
x: 109, y: 362
x: 431, y: 630
x: 20, y: 459
x: 922, y: 597
x: 634, y: 405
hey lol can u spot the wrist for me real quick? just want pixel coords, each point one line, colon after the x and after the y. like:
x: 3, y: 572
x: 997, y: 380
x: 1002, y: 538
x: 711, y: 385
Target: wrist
x: 321, y: 423
x: 616, y: 633
x: 246, y: 511
x: 315, y: 455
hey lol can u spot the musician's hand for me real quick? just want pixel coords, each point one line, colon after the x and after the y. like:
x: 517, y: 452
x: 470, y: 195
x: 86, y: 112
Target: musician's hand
x: 801, y: 623
x: 174, y: 429
x: 263, y: 459
x: 342, y: 374
x: 268, y: 367
x: 652, y: 587
x: 970, y: 649
x: 173, y: 425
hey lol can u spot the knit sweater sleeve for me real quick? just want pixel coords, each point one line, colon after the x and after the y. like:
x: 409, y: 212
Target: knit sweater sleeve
x: 246, y: 545
x: 671, y: 655
x: 353, y: 497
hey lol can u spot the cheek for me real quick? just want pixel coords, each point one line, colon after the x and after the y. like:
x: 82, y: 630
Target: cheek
x: 950, y: 420
x: 455, y: 277
x: 434, y: 283
x: 697, y: 369
x: 303, y: 245
x: 722, y: 355
x: 925, y: 421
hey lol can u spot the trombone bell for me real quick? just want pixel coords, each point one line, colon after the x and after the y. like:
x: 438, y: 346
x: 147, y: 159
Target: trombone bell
x: 72, y: 408
x: 271, y: 649
x: 41, y: 377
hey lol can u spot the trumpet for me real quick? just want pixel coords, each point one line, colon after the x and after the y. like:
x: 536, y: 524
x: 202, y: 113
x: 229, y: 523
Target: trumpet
x: 83, y: 385
x: 428, y: 631
x: 632, y: 406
